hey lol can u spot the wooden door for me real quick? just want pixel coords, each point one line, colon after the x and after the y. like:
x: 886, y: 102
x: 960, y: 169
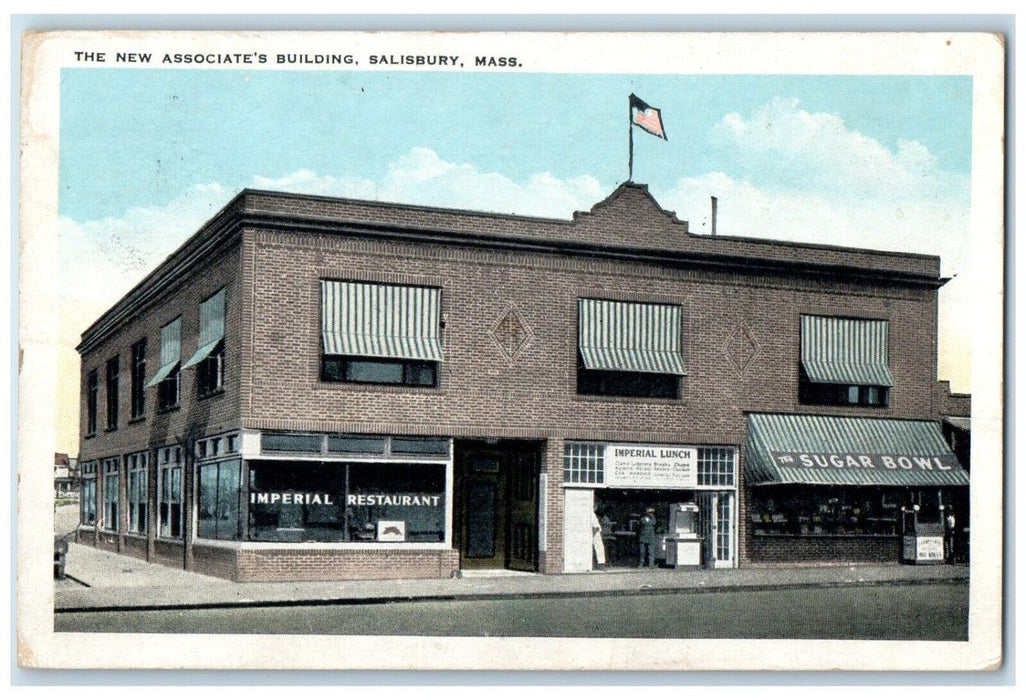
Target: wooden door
x: 523, y: 466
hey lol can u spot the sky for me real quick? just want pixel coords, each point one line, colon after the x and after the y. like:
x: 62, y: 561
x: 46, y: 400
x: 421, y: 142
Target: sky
x: 146, y: 156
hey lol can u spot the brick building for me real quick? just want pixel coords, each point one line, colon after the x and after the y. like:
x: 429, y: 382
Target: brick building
x: 319, y: 388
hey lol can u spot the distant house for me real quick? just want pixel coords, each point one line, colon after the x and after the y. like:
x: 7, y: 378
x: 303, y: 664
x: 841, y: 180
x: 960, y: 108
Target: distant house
x: 65, y: 475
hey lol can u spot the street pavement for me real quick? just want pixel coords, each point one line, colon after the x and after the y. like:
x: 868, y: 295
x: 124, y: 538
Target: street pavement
x: 99, y: 580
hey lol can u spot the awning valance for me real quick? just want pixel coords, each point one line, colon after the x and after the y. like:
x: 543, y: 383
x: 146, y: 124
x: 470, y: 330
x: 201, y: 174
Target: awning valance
x: 170, y: 351
x: 845, y: 351
x: 211, y: 328
x: 630, y: 337
x: 381, y: 320
x: 841, y: 450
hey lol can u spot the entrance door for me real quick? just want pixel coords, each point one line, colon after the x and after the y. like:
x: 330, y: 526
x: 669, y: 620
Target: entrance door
x: 483, y: 526
x: 523, y: 509
x: 716, y: 524
x: 496, y: 490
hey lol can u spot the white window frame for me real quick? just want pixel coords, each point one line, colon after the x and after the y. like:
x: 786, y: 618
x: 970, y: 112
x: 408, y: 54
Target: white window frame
x: 169, y: 461
x: 138, y: 492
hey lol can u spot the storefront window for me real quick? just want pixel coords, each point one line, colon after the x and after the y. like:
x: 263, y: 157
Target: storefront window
x: 169, y: 492
x: 88, y: 497
x: 584, y: 463
x: 716, y: 466
x: 296, y: 501
x: 138, y: 496
x: 821, y: 510
x: 111, y: 492
x: 219, y: 500
x: 402, y: 502
x: 290, y: 442
x: 354, y: 502
x: 356, y: 444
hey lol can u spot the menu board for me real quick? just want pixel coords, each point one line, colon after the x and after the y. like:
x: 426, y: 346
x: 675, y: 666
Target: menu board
x: 651, y: 466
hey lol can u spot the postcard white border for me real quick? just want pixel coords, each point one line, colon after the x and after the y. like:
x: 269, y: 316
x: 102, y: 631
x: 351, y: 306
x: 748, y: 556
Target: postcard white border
x: 953, y: 53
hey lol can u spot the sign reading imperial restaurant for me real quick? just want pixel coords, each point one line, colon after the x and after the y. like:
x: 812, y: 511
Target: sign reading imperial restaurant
x: 651, y: 466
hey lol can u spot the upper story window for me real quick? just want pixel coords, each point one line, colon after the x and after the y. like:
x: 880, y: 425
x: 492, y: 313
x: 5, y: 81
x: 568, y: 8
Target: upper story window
x: 167, y: 377
x: 380, y: 333
x: 209, y: 356
x: 138, y: 379
x: 844, y: 362
x: 629, y: 349
x: 92, y: 400
x: 113, y: 370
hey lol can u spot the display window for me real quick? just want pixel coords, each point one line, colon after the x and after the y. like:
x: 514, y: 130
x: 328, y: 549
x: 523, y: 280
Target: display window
x: 218, y: 500
x: 619, y: 514
x: 826, y: 511
x: 346, y: 502
x: 88, y: 494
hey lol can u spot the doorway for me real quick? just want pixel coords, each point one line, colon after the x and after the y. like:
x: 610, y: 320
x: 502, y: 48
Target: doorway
x: 496, y: 504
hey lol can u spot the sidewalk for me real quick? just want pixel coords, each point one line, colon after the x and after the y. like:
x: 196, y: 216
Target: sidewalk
x: 99, y: 580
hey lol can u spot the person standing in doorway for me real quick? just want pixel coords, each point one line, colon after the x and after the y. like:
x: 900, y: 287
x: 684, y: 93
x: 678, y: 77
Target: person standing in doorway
x: 949, y: 536
x: 597, y: 544
x: 647, y: 539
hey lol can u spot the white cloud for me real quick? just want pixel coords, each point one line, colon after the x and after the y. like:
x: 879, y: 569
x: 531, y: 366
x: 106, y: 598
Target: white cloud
x: 780, y: 142
x: 914, y: 225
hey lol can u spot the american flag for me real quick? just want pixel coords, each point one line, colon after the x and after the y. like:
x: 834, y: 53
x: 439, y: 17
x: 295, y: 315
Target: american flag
x: 647, y: 117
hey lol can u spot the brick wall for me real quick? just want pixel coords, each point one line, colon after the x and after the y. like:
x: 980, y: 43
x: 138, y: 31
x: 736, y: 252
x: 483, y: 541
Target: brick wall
x: 293, y: 564
x: 740, y: 340
x: 794, y: 550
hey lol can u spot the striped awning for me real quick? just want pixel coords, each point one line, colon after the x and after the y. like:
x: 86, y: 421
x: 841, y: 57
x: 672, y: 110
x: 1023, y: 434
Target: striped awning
x: 211, y: 328
x: 381, y: 320
x: 170, y: 351
x: 630, y: 337
x: 845, y: 351
x: 841, y: 450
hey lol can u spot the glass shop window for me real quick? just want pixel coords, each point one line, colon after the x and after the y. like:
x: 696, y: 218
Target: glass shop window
x: 290, y: 442
x: 825, y: 511
x: 356, y: 502
x: 400, y: 503
x: 218, y: 500
x: 296, y: 502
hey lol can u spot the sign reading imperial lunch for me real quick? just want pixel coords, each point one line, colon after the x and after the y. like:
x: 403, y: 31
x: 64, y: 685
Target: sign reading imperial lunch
x: 651, y: 466
x: 842, y: 460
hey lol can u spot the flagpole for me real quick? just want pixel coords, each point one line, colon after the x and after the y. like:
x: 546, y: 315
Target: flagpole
x: 630, y: 142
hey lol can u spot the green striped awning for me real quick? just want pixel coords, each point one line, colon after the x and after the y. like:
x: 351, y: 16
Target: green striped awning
x: 211, y: 327
x: 630, y: 337
x: 841, y: 450
x: 170, y: 351
x: 381, y: 320
x: 845, y: 351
